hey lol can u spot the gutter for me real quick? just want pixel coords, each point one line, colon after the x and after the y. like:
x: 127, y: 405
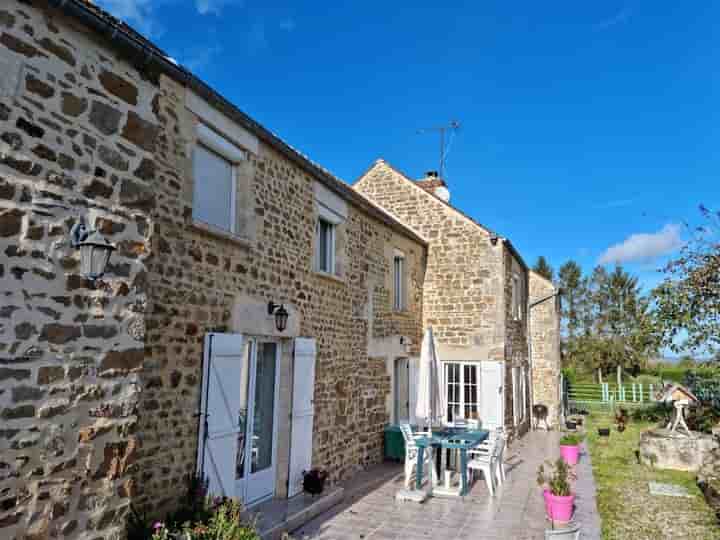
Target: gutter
x: 137, y: 50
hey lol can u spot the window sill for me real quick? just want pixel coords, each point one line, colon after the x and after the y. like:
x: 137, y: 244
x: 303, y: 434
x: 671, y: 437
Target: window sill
x: 209, y: 230
x: 331, y: 277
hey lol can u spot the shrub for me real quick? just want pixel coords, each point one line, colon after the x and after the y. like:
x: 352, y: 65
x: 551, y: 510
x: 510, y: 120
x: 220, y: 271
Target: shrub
x: 572, y: 439
x: 702, y: 418
x: 653, y: 413
x: 556, y: 479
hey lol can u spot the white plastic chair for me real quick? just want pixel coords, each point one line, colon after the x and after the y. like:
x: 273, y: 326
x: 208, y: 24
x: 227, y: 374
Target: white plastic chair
x: 411, y: 453
x: 490, y: 464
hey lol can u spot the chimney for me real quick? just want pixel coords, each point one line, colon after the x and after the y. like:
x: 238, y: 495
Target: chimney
x: 432, y: 183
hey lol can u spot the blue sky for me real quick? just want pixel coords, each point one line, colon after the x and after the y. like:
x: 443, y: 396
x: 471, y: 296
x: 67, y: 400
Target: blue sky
x: 585, y: 126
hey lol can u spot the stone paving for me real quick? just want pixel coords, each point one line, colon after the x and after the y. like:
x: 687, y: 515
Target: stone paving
x: 516, y: 512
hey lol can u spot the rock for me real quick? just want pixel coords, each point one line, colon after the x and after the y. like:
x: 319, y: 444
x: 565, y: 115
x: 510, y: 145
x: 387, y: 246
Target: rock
x: 135, y: 195
x: 93, y: 331
x: 63, y: 53
x: 663, y: 450
x: 26, y: 393
x: 112, y: 158
x: 146, y: 170
x: 72, y: 105
x: 59, y: 334
x: 36, y: 86
x: 119, y: 87
x: 98, y: 189
x: 24, y: 330
x: 105, y: 118
x: 11, y: 222
x: 23, y: 411
x: 50, y: 374
x: 31, y: 129
x: 44, y: 152
x: 16, y: 374
x: 127, y: 360
x: 19, y: 46
x: 140, y: 132
x: 7, y: 190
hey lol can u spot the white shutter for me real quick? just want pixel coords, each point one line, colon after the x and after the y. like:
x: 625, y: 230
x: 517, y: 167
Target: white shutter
x: 492, y: 376
x: 515, y: 395
x: 303, y: 412
x: 413, y: 365
x: 220, y: 419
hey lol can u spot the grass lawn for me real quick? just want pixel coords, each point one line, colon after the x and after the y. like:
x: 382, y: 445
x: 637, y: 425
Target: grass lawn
x: 627, y: 509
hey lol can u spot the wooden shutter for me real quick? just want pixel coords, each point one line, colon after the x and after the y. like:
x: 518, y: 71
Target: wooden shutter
x: 220, y: 425
x: 303, y: 412
x: 492, y: 375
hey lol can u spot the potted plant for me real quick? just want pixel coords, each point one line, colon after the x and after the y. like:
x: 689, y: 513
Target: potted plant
x: 570, y: 448
x: 559, y: 498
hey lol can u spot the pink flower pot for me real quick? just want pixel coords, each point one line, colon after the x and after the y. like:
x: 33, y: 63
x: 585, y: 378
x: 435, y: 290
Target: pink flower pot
x: 559, y: 508
x: 546, y: 496
x: 570, y: 454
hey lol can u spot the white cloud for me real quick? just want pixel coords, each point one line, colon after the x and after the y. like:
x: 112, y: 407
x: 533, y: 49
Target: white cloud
x: 196, y: 59
x: 140, y: 14
x: 213, y: 6
x: 644, y: 247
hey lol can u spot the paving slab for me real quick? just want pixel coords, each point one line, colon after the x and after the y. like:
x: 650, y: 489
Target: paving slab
x: 516, y: 512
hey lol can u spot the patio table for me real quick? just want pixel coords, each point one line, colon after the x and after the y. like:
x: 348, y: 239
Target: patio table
x: 450, y: 439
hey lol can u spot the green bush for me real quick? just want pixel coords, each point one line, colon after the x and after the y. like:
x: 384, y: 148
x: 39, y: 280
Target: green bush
x: 572, y: 439
x: 199, y: 517
x: 653, y: 413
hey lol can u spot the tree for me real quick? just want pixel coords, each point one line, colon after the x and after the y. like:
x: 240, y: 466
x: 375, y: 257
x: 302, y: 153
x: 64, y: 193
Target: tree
x: 688, y: 300
x: 543, y: 268
x: 687, y: 362
x: 571, y: 284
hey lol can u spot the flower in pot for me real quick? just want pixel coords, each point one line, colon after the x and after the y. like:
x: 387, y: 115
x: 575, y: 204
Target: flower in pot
x: 570, y: 448
x: 559, y: 498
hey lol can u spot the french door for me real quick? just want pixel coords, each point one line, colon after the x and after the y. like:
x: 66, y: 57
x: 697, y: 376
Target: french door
x: 255, y: 466
x: 463, y: 384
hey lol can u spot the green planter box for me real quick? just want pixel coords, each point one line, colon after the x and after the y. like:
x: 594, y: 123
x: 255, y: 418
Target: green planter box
x: 394, y: 443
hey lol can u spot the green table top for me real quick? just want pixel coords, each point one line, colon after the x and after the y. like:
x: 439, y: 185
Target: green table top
x: 462, y: 439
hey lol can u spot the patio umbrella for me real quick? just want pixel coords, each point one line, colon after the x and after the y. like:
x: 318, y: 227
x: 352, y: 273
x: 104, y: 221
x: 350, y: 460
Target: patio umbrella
x: 431, y: 404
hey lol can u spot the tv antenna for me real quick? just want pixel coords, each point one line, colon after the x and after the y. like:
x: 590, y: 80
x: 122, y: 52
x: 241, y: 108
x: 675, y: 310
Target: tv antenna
x: 452, y: 127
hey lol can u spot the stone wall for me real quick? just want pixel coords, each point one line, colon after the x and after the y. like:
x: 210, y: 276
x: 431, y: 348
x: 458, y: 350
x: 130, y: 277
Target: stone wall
x: 76, y: 139
x: 198, y: 277
x: 467, y: 292
x: 545, y: 346
x: 100, y: 382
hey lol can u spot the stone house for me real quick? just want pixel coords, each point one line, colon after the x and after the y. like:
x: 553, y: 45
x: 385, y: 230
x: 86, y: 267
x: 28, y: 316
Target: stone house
x: 475, y: 299
x: 545, y: 345
x: 110, y: 390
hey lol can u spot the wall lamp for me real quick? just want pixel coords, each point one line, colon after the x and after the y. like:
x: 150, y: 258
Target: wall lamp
x: 94, y: 249
x: 281, y: 315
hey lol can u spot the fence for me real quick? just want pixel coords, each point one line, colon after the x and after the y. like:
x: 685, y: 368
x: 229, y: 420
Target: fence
x: 608, y: 395
x: 706, y: 389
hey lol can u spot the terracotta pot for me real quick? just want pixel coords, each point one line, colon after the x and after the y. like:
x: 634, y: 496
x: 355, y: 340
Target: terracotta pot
x: 558, y: 507
x: 570, y: 453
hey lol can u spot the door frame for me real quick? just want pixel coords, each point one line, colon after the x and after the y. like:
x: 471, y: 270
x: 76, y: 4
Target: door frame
x: 253, y: 342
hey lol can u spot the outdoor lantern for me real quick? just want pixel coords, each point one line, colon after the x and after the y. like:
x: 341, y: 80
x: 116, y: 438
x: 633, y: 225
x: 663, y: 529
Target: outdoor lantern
x: 281, y: 315
x: 94, y: 249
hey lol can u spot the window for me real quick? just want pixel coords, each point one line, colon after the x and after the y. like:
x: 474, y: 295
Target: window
x: 463, y: 390
x: 215, y: 161
x: 325, y: 246
x: 519, y: 379
x: 399, y: 282
x: 516, y: 300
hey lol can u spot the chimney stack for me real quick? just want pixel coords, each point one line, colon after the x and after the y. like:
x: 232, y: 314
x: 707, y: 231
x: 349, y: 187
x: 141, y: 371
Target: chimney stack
x: 432, y: 183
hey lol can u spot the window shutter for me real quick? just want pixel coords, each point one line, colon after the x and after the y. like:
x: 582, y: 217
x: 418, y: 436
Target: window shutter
x: 303, y: 412
x: 220, y: 424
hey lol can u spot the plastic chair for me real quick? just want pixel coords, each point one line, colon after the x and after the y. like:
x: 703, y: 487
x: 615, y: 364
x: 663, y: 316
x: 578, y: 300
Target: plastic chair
x: 411, y: 453
x: 571, y: 532
x: 489, y: 464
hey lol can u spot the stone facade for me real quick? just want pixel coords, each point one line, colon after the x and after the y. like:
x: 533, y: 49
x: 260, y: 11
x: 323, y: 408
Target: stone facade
x: 100, y: 382
x: 76, y: 139
x: 545, y: 345
x: 469, y: 281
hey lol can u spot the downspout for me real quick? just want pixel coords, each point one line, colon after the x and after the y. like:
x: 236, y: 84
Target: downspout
x: 529, y: 339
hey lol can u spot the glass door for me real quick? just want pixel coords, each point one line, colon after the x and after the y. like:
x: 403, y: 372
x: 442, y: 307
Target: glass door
x: 261, y: 432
